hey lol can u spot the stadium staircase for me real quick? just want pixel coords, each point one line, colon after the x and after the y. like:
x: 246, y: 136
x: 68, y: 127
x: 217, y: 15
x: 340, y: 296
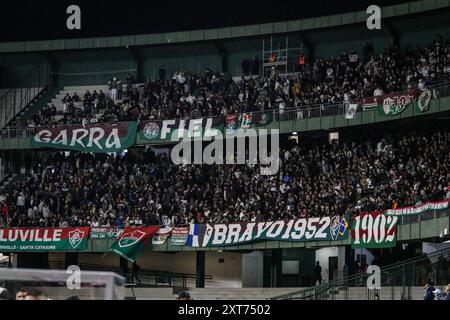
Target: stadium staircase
x: 71, y: 90
x: 17, y: 101
x: 44, y: 98
x: 400, y: 281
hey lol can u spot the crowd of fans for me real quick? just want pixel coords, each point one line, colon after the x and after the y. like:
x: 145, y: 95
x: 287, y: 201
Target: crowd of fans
x: 141, y: 188
x: 343, y: 78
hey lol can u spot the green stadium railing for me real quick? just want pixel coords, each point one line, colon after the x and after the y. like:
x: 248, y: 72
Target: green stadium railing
x: 280, y: 116
x: 147, y: 277
x: 405, y: 275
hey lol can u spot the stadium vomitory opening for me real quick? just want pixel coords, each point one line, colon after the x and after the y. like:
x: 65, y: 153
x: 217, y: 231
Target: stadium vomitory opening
x: 295, y: 159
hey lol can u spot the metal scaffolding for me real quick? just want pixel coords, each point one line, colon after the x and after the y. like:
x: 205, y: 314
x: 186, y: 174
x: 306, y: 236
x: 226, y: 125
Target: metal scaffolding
x: 283, y: 59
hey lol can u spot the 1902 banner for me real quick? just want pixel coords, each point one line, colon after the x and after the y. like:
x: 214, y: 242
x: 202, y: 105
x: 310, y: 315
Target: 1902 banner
x: 374, y: 230
x: 96, y: 138
x: 43, y: 239
x: 311, y: 229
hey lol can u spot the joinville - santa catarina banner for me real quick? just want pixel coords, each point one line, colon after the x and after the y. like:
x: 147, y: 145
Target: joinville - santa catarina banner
x: 174, y: 130
x: 311, y: 229
x: 132, y: 240
x: 374, y: 230
x: 96, y: 138
x: 43, y: 239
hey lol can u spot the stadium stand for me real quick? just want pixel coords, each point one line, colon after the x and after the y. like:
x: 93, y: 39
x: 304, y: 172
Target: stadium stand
x: 364, y: 163
x: 345, y: 77
x: 145, y: 189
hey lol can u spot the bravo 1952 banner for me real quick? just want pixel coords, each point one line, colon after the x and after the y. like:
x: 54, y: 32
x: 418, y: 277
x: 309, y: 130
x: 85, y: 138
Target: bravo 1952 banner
x: 43, y: 239
x: 311, y: 229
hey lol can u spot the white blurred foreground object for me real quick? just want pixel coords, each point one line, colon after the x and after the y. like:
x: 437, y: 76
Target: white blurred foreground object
x: 62, y: 284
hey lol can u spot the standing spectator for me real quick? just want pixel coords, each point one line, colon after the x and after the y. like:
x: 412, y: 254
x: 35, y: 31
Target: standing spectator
x: 114, y: 84
x: 21, y: 203
x: 429, y: 292
x: 447, y: 292
x: 438, y: 295
x: 162, y: 73
x: 4, y: 295
x: 317, y: 273
x: 135, y: 273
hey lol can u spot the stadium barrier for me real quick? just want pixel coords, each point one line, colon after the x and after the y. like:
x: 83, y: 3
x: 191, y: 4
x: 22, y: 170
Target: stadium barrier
x: 276, y: 115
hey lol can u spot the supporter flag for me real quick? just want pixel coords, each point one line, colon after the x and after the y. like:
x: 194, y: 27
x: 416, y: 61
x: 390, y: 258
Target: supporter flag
x: 369, y: 103
x: 263, y: 118
x: 132, y: 241
x: 350, y: 111
x: 246, y: 120
x: 231, y: 124
x: 343, y: 225
x: 374, y: 230
x: 194, y: 234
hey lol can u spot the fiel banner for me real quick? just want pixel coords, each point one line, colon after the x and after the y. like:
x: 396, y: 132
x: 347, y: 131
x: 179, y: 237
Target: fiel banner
x: 161, y: 236
x: 43, y: 239
x: 96, y: 138
x: 374, y: 230
x: 311, y: 229
x: 131, y: 242
x: 408, y: 211
x: 179, y: 236
x: 174, y: 130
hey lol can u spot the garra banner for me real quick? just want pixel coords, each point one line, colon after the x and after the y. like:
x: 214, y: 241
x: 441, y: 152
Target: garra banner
x: 408, y: 211
x: 161, y: 236
x: 179, y: 236
x: 131, y: 242
x: 43, y: 239
x: 167, y: 130
x: 311, y: 229
x: 374, y: 230
x: 96, y: 138
x: 105, y: 233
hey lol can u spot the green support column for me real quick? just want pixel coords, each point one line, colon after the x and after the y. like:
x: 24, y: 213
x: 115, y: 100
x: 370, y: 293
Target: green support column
x: 71, y: 259
x: 200, y: 270
x: 275, y: 268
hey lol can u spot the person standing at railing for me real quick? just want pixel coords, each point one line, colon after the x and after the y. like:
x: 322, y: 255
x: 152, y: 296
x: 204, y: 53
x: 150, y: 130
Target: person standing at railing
x: 429, y: 292
x: 114, y: 84
x: 447, y: 292
x: 317, y: 273
x: 438, y: 295
x: 134, y: 273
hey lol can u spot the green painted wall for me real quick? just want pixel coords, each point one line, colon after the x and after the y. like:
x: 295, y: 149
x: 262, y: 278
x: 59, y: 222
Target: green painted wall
x: 96, y: 66
x: 14, y: 67
x: 190, y: 57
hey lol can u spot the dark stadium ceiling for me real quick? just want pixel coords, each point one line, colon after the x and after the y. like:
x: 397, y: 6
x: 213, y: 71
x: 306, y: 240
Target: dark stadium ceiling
x: 42, y: 20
